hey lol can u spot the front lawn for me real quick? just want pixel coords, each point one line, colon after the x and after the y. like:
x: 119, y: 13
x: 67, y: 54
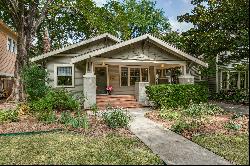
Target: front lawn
x: 231, y: 147
x: 71, y: 148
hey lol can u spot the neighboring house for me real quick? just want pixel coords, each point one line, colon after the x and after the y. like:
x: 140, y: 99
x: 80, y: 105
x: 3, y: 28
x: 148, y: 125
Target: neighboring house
x: 231, y: 77
x: 128, y: 66
x: 8, y: 50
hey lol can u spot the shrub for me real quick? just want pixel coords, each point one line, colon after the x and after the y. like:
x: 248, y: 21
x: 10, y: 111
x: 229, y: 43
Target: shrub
x: 8, y: 116
x: 47, y: 116
x: 176, y: 95
x: 169, y: 114
x: 94, y: 109
x: 34, y: 78
x: 232, y: 126
x: 80, y: 121
x: 56, y: 99
x: 116, y: 118
x: 181, y: 126
x: 196, y: 110
x: 235, y: 96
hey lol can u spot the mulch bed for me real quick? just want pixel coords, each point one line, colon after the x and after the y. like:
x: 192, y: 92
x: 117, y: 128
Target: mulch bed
x: 214, y: 125
x: 28, y: 123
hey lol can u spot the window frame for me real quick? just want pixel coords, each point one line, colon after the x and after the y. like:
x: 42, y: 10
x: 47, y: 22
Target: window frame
x: 55, y: 76
x: 129, y: 67
x: 11, y: 48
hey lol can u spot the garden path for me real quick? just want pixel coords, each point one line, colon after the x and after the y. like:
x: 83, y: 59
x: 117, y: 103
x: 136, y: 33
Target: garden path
x: 233, y: 108
x: 172, y: 148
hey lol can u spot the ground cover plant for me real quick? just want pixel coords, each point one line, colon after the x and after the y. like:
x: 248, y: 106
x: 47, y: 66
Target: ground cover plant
x: 225, y: 133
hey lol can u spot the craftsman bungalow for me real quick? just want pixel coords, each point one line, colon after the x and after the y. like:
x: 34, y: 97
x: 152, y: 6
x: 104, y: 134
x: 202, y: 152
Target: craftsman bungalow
x: 128, y: 66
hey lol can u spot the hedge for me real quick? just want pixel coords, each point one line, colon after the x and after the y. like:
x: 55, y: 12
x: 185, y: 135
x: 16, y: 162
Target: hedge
x: 176, y: 95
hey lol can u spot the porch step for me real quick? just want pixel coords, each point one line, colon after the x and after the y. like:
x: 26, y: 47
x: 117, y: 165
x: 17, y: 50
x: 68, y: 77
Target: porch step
x: 124, y: 101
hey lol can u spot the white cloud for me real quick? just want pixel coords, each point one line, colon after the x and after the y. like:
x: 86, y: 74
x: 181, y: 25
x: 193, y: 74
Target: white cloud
x: 179, y: 26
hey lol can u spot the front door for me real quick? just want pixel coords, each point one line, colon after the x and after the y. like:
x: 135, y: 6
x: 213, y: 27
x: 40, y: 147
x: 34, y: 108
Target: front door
x: 101, y: 80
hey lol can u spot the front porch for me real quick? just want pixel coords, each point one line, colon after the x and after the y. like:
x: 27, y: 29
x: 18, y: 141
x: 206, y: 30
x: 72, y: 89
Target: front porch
x: 128, y: 80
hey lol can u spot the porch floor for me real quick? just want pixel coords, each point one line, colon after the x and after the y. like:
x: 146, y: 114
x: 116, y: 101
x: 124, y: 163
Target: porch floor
x: 125, y: 101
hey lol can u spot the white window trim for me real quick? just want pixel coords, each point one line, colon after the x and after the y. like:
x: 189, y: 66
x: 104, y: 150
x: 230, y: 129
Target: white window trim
x: 7, y: 46
x: 140, y: 67
x: 55, y: 75
x: 11, y: 45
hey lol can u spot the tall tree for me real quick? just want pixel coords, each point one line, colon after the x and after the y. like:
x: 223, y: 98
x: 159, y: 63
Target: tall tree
x: 25, y: 16
x: 132, y: 18
x: 219, y: 25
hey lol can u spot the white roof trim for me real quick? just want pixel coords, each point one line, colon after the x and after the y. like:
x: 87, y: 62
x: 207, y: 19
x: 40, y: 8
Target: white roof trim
x: 74, y: 46
x: 128, y: 42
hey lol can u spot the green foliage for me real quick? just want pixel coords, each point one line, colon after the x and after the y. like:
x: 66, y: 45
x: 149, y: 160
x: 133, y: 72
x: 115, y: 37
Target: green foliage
x: 56, y: 99
x: 234, y: 96
x: 46, y: 116
x: 94, y: 109
x: 79, y: 121
x: 202, y: 109
x: 169, y: 114
x: 116, y: 118
x: 218, y: 26
x: 8, y: 116
x: 231, y: 125
x: 176, y: 95
x: 181, y: 126
x: 34, y: 78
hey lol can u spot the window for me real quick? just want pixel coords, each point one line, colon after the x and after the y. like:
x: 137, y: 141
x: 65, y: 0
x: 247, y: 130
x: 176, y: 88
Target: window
x: 124, y: 76
x: 224, y: 80
x: 131, y: 75
x: 64, y: 75
x: 144, y: 74
x: 233, y: 80
x: 14, y: 47
x: 242, y: 80
x: 9, y: 44
x: 134, y: 75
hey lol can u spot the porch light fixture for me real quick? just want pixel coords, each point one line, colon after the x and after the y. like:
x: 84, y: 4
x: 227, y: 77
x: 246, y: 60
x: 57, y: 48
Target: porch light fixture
x: 162, y: 65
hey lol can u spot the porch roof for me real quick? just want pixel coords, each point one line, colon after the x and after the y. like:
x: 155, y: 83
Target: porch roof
x: 154, y: 40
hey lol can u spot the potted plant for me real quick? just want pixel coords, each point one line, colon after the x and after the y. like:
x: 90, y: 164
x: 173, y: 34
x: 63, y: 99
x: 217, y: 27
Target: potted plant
x: 109, y: 89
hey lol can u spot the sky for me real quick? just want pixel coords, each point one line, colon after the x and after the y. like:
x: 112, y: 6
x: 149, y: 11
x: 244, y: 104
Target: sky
x: 172, y: 9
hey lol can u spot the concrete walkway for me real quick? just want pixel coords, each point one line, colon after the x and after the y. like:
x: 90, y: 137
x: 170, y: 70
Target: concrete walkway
x: 232, y: 107
x: 172, y: 148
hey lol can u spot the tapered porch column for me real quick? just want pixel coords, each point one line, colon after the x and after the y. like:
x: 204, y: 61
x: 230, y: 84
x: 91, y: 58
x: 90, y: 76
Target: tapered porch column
x: 89, y: 86
x: 185, y: 78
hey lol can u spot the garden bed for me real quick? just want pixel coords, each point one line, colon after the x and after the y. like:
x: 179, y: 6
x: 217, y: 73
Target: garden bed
x: 229, y: 132
x: 28, y: 123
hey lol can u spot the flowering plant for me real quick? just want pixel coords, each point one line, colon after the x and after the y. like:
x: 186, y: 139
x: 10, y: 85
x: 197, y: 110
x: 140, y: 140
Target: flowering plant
x: 109, y: 89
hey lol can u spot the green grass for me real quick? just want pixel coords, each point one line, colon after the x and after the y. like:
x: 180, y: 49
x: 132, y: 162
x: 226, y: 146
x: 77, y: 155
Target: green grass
x: 233, y: 148
x: 70, y: 148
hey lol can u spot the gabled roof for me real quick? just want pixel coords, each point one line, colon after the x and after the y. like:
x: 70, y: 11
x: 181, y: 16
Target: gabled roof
x: 155, y: 40
x: 46, y: 55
